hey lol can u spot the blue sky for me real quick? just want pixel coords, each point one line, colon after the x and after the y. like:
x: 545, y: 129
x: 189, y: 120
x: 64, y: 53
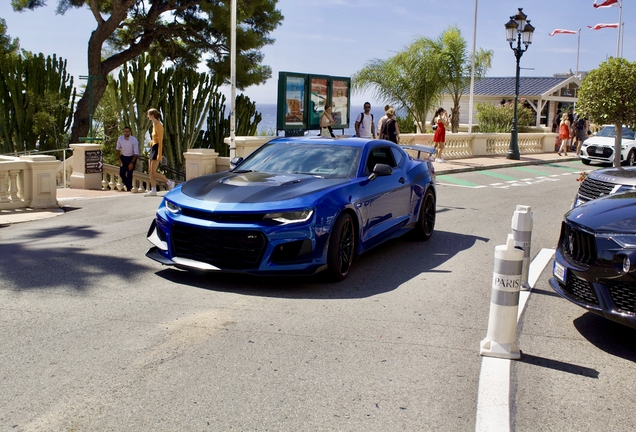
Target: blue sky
x: 338, y: 37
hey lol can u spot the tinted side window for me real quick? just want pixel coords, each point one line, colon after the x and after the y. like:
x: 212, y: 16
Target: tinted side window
x: 382, y: 155
x: 398, y: 155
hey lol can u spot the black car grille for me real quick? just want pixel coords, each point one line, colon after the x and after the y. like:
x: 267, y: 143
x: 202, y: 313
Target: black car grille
x: 623, y: 294
x: 607, y: 152
x: 579, y: 246
x: 223, y: 217
x: 591, y: 189
x: 226, y: 249
x: 580, y: 288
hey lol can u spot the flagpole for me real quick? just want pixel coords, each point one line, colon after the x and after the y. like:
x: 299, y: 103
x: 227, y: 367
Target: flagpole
x: 578, y: 49
x: 472, y: 74
x: 620, y: 19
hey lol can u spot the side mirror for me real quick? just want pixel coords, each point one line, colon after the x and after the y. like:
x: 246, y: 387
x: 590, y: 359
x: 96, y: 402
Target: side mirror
x: 236, y: 160
x: 380, y: 170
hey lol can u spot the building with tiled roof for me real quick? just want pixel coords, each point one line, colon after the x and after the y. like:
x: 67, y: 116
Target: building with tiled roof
x: 544, y: 94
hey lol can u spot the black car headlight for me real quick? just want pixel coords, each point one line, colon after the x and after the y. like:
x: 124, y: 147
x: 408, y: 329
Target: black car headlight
x: 625, y: 188
x: 172, y: 207
x: 289, y: 217
x: 626, y: 241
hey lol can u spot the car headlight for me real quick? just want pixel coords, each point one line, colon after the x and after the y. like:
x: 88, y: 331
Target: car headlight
x: 626, y: 241
x: 172, y: 207
x: 625, y: 188
x: 290, y: 216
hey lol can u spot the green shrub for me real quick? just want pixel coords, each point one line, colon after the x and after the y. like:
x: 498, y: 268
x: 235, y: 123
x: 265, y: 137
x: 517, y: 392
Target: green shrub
x: 498, y: 118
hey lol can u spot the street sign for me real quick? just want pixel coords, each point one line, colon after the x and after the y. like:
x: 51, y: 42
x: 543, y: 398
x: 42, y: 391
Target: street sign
x: 93, y: 161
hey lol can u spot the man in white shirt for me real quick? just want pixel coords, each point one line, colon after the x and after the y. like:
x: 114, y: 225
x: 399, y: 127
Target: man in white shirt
x: 365, y: 128
x: 127, y: 152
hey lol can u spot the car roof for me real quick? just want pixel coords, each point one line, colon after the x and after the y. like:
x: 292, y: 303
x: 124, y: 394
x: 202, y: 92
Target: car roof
x: 312, y: 140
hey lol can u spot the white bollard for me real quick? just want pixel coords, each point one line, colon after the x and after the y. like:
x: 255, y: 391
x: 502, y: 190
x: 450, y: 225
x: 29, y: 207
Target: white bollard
x: 522, y: 233
x: 501, y: 339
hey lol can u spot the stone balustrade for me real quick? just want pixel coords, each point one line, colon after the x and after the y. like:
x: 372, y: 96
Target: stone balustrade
x: 28, y: 181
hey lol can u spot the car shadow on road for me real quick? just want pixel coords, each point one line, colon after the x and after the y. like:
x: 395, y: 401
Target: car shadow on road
x: 613, y: 338
x: 380, y: 270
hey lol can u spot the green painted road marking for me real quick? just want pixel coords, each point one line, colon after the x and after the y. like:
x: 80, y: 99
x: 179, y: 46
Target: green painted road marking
x: 566, y: 167
x: 533, y: 171
x: 497, y: 175
x: 455, y: 180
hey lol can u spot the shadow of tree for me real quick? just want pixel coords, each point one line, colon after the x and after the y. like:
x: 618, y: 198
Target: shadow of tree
x: 609, y: 336
x: 380, y: 270
x: 46, y: 258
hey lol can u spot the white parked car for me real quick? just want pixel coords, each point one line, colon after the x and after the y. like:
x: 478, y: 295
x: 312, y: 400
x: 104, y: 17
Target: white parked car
x: 600, y: 147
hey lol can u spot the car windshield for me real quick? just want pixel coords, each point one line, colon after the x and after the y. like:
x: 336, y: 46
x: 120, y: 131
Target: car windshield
x: 610, y: 131
x: 330, y: 161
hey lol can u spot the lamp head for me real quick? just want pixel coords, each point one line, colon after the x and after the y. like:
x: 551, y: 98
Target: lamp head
x: 511, y: 30
x: 520, y: 18
x: 526, y: 34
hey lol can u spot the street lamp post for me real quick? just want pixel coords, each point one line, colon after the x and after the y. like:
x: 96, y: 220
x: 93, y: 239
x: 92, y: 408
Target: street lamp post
x: 518, y: 28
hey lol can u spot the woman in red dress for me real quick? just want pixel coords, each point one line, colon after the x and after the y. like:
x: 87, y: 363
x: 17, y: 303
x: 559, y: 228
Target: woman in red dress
x: 441, y: 120
x: 564, y: 134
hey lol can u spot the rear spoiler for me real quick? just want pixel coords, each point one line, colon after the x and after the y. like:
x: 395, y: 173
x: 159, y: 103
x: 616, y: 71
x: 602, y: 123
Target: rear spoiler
x: 420, y: 149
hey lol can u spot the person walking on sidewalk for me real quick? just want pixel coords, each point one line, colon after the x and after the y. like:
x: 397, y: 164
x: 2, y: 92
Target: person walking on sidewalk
x: 326, y: 121
x: 156, y: 153
x: 390, y: 129
x: 439, y: 139
x: 127, y: 153
x: 564, y: 134
x: 364, y: 126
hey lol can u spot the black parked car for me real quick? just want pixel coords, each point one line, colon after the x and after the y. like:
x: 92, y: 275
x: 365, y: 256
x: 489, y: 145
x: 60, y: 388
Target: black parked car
x: 595, y: 265
x: 604, y: 182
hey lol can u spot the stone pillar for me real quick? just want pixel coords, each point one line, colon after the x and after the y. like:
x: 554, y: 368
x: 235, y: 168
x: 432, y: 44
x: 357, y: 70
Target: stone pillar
x: 199, y: 162
x: 246, y: 145
x: 80, y: 179
x: 39, y: 185
x: 479, y: 144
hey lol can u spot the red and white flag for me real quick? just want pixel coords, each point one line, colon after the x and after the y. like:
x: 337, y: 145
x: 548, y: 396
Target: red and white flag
x: 602, y: 26
x: 562, y: 31
x: 606, y: 3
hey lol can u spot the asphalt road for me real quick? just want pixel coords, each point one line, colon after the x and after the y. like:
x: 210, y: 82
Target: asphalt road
x: 95, y: 336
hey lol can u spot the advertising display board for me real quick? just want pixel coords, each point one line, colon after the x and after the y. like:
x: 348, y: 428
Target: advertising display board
x: 302, y: 99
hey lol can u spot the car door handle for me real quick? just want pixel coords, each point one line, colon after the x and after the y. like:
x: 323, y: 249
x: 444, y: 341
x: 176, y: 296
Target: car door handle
x: 402, y: 180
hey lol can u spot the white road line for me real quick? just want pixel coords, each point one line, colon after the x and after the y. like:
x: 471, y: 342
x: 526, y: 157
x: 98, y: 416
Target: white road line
x: 464, y: 186
x: 493, y: 396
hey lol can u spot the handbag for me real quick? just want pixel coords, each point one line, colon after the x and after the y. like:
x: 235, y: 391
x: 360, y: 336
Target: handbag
x: 164, y: 161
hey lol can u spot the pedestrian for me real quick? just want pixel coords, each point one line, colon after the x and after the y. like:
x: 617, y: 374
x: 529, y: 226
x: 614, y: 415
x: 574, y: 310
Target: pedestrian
x: 581, y: 127
x: 365, y: 128
x: 156, y: 153
x: 564, y: 134
x: 326, y: 121
x: 556, y: 121
x: 390, y: 129
x: 382, y: 120
x: 440, y: 119
x: 127, y: 153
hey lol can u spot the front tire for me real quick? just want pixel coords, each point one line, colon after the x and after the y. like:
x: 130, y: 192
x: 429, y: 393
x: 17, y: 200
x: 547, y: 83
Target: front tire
x: 426, y: 221
x: 585, y: 161
x: 341, y: 250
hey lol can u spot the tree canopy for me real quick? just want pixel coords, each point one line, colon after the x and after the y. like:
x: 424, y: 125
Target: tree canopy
x: 7, y: 44
x: 608, y: 96
x: 457, y: 66
x: 180, y: 31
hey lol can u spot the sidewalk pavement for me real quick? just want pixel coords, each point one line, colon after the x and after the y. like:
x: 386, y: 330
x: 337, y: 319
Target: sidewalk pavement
x: 8, y: 217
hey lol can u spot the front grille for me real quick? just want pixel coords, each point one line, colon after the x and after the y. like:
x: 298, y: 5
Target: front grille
x: 591, y: 189
x: 579, y: 245
x: 623, y: 294
x: 226, y: 249
x: 607, y: 152
x: 580, y: 288
x: 223, y: 217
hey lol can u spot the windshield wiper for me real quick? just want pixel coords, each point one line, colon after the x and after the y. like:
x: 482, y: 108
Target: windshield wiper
x: 242, y: 171
x: 306, y: 173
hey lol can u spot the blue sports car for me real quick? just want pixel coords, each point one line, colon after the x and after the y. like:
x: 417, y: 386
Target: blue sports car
x: 297, y: 205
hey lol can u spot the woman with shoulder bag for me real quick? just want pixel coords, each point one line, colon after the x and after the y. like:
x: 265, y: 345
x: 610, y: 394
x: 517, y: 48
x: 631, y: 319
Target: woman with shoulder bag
x: 156, y: 153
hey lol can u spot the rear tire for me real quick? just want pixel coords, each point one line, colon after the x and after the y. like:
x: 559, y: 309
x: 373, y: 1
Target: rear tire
x: 631, y: 158
x: 426, y: 221
x: 341, y: 251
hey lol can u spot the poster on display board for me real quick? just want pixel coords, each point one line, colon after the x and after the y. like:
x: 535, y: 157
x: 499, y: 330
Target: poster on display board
x: 302, y: 99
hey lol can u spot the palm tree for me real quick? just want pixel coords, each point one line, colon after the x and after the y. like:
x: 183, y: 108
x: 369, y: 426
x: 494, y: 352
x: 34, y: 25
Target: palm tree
x: 456, y: 64
x: 411, y: 80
